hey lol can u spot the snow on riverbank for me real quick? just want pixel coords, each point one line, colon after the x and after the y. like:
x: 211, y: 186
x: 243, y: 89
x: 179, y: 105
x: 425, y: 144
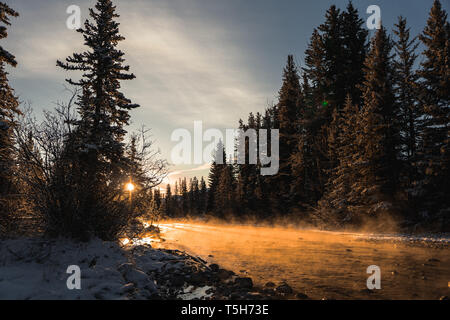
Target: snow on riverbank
x: 36, y: 269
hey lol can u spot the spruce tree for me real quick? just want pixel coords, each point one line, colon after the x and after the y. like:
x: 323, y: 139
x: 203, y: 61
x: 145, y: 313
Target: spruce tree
x: 287, y: 120
x: 378, y: 137
x: 103, y: 108
x: 333, y: 91
x: 185, y: 205
x: 97, y: 144
x: 215, y: 172
x: 8, y: 111
x: 203, y: 195
x: 169, y: 201
x: 405, y: 83
x: 338, y: 204
x: 355, y: 45
x: 434, y: 99
x: 224, y: 197
x: 288, y: 110
x: 248, y: 173
x: 334, y: 68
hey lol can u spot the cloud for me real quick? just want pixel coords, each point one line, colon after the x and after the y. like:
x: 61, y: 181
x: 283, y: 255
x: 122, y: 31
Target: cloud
x: 204, y: 167
x: 188, y: 68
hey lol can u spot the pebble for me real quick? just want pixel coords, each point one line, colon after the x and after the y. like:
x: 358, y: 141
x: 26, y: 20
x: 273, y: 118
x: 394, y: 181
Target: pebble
x: 284, y: 289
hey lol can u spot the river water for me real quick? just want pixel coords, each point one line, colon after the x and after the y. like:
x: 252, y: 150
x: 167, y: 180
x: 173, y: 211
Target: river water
x: 328, y: 265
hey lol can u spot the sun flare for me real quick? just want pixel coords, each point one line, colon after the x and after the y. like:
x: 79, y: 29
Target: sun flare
x: 130, y: 187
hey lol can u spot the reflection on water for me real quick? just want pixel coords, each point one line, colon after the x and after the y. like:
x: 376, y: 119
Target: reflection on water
x: 320, y: 264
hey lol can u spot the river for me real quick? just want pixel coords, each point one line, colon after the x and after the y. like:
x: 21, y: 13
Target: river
x: 323, y: 265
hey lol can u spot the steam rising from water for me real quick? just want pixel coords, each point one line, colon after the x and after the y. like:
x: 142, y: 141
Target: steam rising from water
x: 320, y: 264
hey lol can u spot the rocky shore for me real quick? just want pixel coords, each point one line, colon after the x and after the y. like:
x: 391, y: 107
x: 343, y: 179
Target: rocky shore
x: 39, y: 269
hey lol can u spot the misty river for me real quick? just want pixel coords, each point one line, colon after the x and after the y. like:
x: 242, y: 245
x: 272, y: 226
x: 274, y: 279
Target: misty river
x: 323, y: 265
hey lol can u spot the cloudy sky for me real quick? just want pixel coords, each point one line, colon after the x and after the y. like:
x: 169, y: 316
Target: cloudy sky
x: 208, y: 60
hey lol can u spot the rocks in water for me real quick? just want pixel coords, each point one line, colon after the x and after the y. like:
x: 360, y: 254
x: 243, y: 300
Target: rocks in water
x: 224, y: 274
x: 177, y: 281
x: 244, y: 283
x: 301, y: 296
x: 198, y: 279
x: 284, y: 288
x: 214, y: 267
x: 128, y: 288
x: 235, y: 296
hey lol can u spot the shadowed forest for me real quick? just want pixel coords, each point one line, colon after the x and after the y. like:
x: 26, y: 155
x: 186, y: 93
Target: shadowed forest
x: 364, y: 135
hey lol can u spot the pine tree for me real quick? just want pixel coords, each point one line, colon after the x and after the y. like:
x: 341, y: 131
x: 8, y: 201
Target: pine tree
x: 215, y: 172
x: 405, y: 83
x: 203, y: 195
x: 333, y: 90
x: 378, y: 137
x: 157, y: 199
x: 8, y: 111
x: 104, y: 110
x: 185, y: 205
x: 287, y: 112
x: 96, y: 146
x: 337, y: 204
x: 194, y: 196
x: 169, y: 201
x: 248, y: 173
x: 355, y: 45
x: 334, y: 67
x: 324, y: 71
x: 224, y: 197
x: 315, y: 68
x: 435, y: 96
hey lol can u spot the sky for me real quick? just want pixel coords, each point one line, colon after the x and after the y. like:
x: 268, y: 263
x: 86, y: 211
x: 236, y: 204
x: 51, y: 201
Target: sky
x: 195, y: 60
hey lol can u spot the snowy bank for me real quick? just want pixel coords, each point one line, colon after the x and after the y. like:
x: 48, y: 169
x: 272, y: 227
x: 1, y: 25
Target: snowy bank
x: 37, y: 269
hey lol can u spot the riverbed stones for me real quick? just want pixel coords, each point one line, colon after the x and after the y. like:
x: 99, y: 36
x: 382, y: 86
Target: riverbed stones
x: 301, y: 296
x: 214, y: 267
x: 177, y: 281
x: 284, y: 288
x: 198, y: 279
x: 223, y: 274
x: 244, y: 283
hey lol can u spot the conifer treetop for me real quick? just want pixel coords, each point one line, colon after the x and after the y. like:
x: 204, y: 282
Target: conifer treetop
x: 102, y: 65
x: 5, y: 13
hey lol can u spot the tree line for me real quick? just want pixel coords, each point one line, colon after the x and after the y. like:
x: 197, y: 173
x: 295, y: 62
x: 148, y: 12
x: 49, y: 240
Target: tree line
x: 364, y: 133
